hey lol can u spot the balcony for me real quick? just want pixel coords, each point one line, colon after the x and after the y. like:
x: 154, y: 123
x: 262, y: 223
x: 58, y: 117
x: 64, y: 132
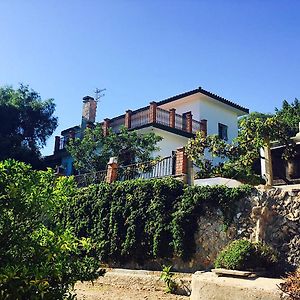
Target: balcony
x: 152, y: 115
x: 148, y: 116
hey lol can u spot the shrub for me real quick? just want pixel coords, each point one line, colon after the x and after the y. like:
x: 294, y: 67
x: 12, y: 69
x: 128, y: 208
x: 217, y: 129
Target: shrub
x: 245, y: 255
x: 291, y: 285
x: 39, y: 258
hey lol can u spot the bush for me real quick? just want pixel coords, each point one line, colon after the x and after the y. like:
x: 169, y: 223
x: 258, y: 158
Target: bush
x: 39, y: 258
x: 245, y: 255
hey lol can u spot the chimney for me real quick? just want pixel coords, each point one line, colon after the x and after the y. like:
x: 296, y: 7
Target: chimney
x: 88, y: 111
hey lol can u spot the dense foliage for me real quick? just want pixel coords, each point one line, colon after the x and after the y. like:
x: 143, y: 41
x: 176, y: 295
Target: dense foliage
x: 26, y: 123
x: 127, y: 220
x: 290, y: 114
x: 195, y: 201
x: 245, y: 255
x: 92, y: 152
x: 39, y: 258
x: 144, y: 219
x: 236, y: 159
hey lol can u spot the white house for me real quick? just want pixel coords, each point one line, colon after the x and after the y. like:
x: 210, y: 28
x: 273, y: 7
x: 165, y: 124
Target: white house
x: 176, y: 119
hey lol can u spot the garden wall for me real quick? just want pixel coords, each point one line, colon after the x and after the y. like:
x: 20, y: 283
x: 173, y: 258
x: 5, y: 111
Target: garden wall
x: 144, y: 224
x: 271, y: 215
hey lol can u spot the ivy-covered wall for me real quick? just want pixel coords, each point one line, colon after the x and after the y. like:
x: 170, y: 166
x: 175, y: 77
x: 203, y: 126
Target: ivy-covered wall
x: 141, y: 221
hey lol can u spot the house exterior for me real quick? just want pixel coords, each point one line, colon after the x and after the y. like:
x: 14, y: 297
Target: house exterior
x: 175, y: 119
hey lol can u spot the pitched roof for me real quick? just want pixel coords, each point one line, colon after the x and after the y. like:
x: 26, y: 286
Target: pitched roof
x: 207, y: 93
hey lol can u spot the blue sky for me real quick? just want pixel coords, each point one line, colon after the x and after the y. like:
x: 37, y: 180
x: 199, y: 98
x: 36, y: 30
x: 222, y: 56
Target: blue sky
x: 246, y: 51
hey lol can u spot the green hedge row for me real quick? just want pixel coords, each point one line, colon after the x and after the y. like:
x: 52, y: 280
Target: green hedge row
x: 143, y: 219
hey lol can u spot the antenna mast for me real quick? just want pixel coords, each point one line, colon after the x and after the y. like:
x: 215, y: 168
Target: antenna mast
x: 99, y: 94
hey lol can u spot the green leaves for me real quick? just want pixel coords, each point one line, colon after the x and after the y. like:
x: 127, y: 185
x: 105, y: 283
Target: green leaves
x: 39, y: 258
x: 245, y: 255
x: 236, y: 159
x: 92, y: 152
x: 168, y: 277
x: 127, y: 220
x: 26, y: 123
x: 145, y: 219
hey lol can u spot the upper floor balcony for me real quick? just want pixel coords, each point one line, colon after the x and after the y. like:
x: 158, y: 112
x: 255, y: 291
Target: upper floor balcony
x: 151, y: 115
x: 154, y: 115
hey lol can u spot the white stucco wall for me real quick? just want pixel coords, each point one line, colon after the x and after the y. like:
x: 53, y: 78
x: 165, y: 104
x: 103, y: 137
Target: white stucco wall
x: 169, y: 143
x: 204, y: 107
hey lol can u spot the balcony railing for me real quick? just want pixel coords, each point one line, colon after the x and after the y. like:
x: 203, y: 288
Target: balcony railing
x: 149, y: 115
x: 159, y: 116
x: 163, y: 168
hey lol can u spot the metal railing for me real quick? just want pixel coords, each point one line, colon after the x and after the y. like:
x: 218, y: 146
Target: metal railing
x: 63, y: 141
x: 140, y: 118
x: 153, y: 169
x: 162, y: 116
x: 116, y: 124
x: 196, y: 126
x: 90, y: 178
x: 179, y: 121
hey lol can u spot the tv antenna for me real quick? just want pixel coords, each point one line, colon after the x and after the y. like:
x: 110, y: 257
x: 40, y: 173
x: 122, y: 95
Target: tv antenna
x: 99, y: 94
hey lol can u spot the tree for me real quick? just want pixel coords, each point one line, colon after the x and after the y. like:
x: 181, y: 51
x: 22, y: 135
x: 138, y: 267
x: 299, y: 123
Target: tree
x: 92, y: 152
x: 39, y: 257
x: 256, y: 131
x: 26, y: 123
x: 290, y: 114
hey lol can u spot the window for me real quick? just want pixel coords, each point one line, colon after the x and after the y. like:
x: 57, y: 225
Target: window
x: 222, y: 129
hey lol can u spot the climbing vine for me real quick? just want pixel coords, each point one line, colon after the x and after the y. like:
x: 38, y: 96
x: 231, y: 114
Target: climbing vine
x: 193, y: 204
x: 144, y: 219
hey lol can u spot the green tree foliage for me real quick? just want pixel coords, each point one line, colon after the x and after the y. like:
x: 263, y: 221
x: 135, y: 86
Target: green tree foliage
x: 236, y: 159
x: 26, y: 123
x: 39, y: 258
x: 290, y: 114
x: 92, y: 152
x: 136, y: 220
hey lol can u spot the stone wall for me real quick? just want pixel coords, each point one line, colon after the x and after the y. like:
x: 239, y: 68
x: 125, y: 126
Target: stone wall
x: 272, y: 216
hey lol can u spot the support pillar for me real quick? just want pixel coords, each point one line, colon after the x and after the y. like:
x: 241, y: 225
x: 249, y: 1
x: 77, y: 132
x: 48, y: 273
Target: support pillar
x: 128, y: 119
x: 203, y: 126
x: 172, y: 117
x: 188, y: 118
x: 112, y: 170
x: 57, y: 144
x: 105, y: 127
x: 181, y: 166
x: 152, y: 112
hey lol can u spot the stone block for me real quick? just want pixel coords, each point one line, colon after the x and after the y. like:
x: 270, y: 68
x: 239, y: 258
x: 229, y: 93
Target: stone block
x: 207, y: 285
